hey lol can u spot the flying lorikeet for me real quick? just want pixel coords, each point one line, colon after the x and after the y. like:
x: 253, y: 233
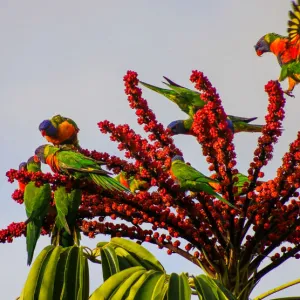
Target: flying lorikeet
x: 132, y: 183
x: 60, y: 131
x: 189, y: 179
x: 285, y: 48
x: 189, y: 101
x: 76, y: 164
x: 36, y: 200
x: 22, y: 167
x: 67, y: 203
x: 236, y: 124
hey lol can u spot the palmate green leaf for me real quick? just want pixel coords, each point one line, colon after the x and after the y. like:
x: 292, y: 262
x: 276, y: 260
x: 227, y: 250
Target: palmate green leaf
x: 208, y: 288
x: 179, y: 288
x: 139, y: 252
x: 113, y: 283
x: 110, y: 263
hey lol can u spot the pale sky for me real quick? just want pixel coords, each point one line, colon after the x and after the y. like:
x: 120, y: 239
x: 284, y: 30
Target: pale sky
x: 70, y: 58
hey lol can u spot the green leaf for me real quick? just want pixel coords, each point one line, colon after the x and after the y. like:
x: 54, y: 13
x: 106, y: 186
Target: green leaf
x: 106, y: 290
x: 47, y: 286
x: 136, y: 250
x: 34, y: 278
x: 145, y: 278
x: 208, y: 290
x: 126, y: 285
x: 110, y: 264
x: 179, y: 287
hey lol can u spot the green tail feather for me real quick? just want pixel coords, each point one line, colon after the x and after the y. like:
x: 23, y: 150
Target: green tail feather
x: 108, y: 183
x: 32, y: 235
x: 247, y: 127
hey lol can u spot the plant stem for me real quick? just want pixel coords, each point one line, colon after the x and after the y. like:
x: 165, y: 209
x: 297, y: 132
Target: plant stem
x: 277, y: 289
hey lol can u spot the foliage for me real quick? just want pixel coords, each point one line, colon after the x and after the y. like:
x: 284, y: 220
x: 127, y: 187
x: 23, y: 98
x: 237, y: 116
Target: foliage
x: 228, y: 244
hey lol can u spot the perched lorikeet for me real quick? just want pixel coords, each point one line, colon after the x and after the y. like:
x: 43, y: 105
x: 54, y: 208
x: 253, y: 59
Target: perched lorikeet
x: 239, y: 184
x: 67, y: 203
x: 60, y: 131
x: 36, y: 200
x: 22, y: 167
x: 132, y: 183
x: 236, y: 124
x: 285, y: 48
x: 189, y: 179
x: 189, y: 101
x: 76, y: 164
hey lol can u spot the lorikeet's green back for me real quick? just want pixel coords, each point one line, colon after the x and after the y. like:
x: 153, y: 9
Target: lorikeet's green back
x: 189, y: 101
x: 76, y: 164
x: 36, y: 200
x: 67, y: 204
x: 190, y: 179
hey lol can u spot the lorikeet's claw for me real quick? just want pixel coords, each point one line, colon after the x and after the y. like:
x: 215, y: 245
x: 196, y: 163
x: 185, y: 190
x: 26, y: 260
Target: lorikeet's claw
x: 289, y: 93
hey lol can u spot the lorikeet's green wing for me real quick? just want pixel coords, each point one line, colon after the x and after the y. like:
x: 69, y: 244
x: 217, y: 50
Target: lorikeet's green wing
x: 67, y: 204
x: 36, y: 200
x: 187, y: 100
x: 184, y: 172
x: 75, y: 161
x: 62, y: 208
x: 193, y: 180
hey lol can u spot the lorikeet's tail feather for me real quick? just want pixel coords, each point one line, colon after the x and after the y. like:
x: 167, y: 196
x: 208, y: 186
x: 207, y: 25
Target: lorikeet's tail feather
x: 172, y: 82
x: 108, y: 183
x: 32, y: 235
x: 224, y: 200
x: 242, y: 119
x: 247, y: 128
x: 164, y: 92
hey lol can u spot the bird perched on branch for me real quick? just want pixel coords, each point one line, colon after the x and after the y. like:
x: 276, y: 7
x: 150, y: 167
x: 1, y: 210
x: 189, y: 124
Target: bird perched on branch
x: 285, y: 48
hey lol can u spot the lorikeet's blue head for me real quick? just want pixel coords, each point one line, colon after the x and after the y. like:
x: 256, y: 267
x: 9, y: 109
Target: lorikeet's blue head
x: 23, y: 166
x: 177, y: 127
x: 40, y: 153
x: 47, y: 128
x: 230, y: 125
x: 262, y: 45
x: 177, y: 157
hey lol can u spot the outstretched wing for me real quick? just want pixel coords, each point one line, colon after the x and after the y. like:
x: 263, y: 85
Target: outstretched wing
x: 294, y: 27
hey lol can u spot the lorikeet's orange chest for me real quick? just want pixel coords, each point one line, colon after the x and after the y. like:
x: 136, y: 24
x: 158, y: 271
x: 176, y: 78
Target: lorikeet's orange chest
x: 52, y: 162
x: 65, y: 132
x: 172, y: 175
x: 282, y: 49
x: 22, y: 186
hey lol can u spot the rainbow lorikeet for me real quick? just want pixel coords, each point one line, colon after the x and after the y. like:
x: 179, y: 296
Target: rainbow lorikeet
x: 78, y: 165
x: 285, y: 48
x: 67, y: 203
x: 188, y: 101
x: 60, y: 131
x: 239, y: 184
x: 36, y: 200
x: 22, y: 167
x: 189, y: 179
x: 236, y: 124
x: 132, y: 183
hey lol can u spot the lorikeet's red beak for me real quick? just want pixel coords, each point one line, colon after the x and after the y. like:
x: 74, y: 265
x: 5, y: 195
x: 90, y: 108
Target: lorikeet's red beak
x: 259, y: 52
x: 43, y: 132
